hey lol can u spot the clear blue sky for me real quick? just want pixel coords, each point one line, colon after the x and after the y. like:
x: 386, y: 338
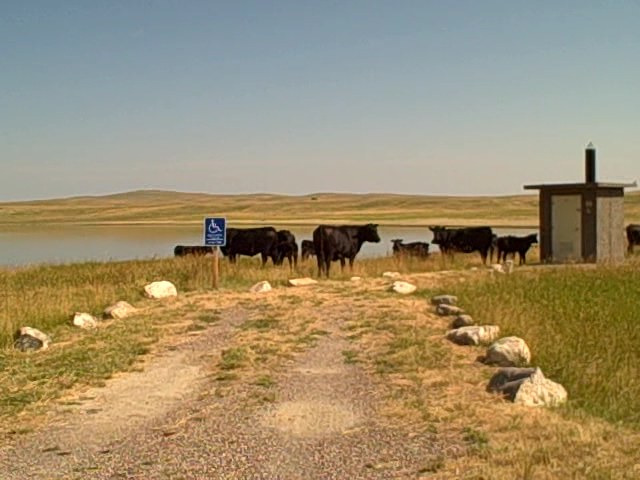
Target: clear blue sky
x: 428, y: 97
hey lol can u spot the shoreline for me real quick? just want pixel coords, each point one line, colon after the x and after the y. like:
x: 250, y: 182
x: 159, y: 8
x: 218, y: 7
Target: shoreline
x: 291, y: 223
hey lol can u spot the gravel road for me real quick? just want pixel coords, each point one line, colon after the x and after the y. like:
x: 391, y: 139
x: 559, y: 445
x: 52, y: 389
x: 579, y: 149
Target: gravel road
x: 167, y: 422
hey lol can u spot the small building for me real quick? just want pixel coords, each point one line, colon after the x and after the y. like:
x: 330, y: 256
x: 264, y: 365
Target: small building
x: 582, y: 222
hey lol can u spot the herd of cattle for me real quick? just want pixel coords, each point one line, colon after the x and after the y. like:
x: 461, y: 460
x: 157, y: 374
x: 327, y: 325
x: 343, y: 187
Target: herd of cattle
x: 341, y: 243
x: 333, y: 243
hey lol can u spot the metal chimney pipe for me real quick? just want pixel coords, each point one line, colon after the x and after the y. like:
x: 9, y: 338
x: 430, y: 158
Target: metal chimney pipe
x: 590, y: 163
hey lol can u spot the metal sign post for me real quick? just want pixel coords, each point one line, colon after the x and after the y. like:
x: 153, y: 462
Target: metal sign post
x: 215, y: 235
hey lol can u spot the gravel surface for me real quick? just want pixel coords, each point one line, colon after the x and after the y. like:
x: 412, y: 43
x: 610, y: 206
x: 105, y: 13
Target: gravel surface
x: 168, y: 423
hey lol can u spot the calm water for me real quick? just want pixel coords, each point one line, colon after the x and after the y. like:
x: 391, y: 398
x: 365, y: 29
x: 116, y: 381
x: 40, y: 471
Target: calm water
x: 23, y: 246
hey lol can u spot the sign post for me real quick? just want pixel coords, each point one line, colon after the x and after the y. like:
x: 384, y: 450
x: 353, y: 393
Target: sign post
x: 215, y: 235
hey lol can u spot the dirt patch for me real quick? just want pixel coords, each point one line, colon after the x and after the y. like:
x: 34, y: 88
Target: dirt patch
x: 311, y: 418
x: 314, y: 400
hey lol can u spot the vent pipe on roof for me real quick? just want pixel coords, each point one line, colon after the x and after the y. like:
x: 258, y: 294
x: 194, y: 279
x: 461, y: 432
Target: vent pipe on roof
x: 590, y: 163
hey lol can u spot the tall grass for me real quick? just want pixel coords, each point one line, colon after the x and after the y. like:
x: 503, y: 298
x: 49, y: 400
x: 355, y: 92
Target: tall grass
x: 582, y: 325
x: 46, y: 296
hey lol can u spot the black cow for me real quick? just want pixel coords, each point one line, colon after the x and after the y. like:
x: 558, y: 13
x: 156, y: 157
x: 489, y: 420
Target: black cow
x: 286, y: 248
x: 340, y: 243
x: 307, y: 249
x: 412, y: 249
x: 183, y: 250
x: 633, y: 236
x: 494, y: 246
x: 250, y: 242
x: 466, y: 240
x: 512, y: 244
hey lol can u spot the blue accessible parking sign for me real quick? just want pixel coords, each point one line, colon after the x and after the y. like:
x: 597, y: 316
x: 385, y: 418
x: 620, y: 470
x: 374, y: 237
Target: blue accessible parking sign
x: 215, y: 231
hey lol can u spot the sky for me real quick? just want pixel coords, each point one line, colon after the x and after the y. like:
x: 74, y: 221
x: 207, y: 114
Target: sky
x: 444, y: 97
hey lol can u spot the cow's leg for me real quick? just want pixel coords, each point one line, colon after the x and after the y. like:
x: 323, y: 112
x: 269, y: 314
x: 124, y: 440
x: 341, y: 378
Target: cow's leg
x: 484, y: 254
x: 327, y: 266
x: 265, y: 257
x: 351, y: 259
x: 342, y: 263
x: 320, y: 261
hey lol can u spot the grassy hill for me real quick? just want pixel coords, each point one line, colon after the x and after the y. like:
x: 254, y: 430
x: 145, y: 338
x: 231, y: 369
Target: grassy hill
x: 164, y: 207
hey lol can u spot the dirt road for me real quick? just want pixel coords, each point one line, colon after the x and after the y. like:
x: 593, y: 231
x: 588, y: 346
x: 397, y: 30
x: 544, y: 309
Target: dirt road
x: 173, y: 421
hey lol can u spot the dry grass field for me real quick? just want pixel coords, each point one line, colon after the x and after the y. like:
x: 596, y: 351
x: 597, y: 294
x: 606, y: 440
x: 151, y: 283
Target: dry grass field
x: 580, y: 322
x: 162, y: 207
x: 431, y: 387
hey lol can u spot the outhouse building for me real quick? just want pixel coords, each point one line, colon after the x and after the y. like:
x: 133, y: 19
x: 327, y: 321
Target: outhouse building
x: 582, y: 222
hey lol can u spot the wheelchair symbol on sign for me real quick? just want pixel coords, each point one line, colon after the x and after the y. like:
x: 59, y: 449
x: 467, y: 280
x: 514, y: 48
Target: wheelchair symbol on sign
x: 214, y: 228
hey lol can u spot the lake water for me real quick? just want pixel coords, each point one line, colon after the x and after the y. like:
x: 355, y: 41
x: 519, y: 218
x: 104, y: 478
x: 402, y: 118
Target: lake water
x: 53, y: 245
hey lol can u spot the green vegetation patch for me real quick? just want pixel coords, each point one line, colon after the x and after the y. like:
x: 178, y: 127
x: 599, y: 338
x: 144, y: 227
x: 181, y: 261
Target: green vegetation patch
x: 27, y: 378
x: 581, y: 325
x: 46, y: 297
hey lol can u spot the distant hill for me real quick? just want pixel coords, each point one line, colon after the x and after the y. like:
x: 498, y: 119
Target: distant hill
x: 167, y: 207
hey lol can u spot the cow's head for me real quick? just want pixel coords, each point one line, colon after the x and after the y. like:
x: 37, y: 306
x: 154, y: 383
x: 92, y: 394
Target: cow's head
x: 439, y: 235
x: 533, y: 238
x: 369, y: 233
x: 396, y: 241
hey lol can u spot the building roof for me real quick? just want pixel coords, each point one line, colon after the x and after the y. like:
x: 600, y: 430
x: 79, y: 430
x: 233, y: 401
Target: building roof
x: 582, y: 186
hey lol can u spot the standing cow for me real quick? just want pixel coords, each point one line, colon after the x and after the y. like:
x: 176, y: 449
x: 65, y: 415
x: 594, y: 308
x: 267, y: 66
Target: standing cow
x: 307, y: 249
x: 250, y: 242
x: 633, y: 236
x: 466, y: 240
x: 513, y: 245
x: 341, y: 242
x: 286, y: 248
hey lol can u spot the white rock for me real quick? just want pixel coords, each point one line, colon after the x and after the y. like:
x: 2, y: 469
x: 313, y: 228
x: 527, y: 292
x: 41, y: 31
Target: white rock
x: 498, y: 268
x: 261, y: 287
x: 119, y: 310
x: 445, y: 309
x: 85, y: 320
x: 507, y: 380
x: 474, y: 335
x: 161, y: 289
x: 35, y: 333
x: 538, y: 391
x: 508, y: 352
x: 462, y: 320
x: 302, y: 282
x: 508, y: 266
x: 355, y: 279
x: 403, y: 287
x: 391, y: 275
x: 444, y: 300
